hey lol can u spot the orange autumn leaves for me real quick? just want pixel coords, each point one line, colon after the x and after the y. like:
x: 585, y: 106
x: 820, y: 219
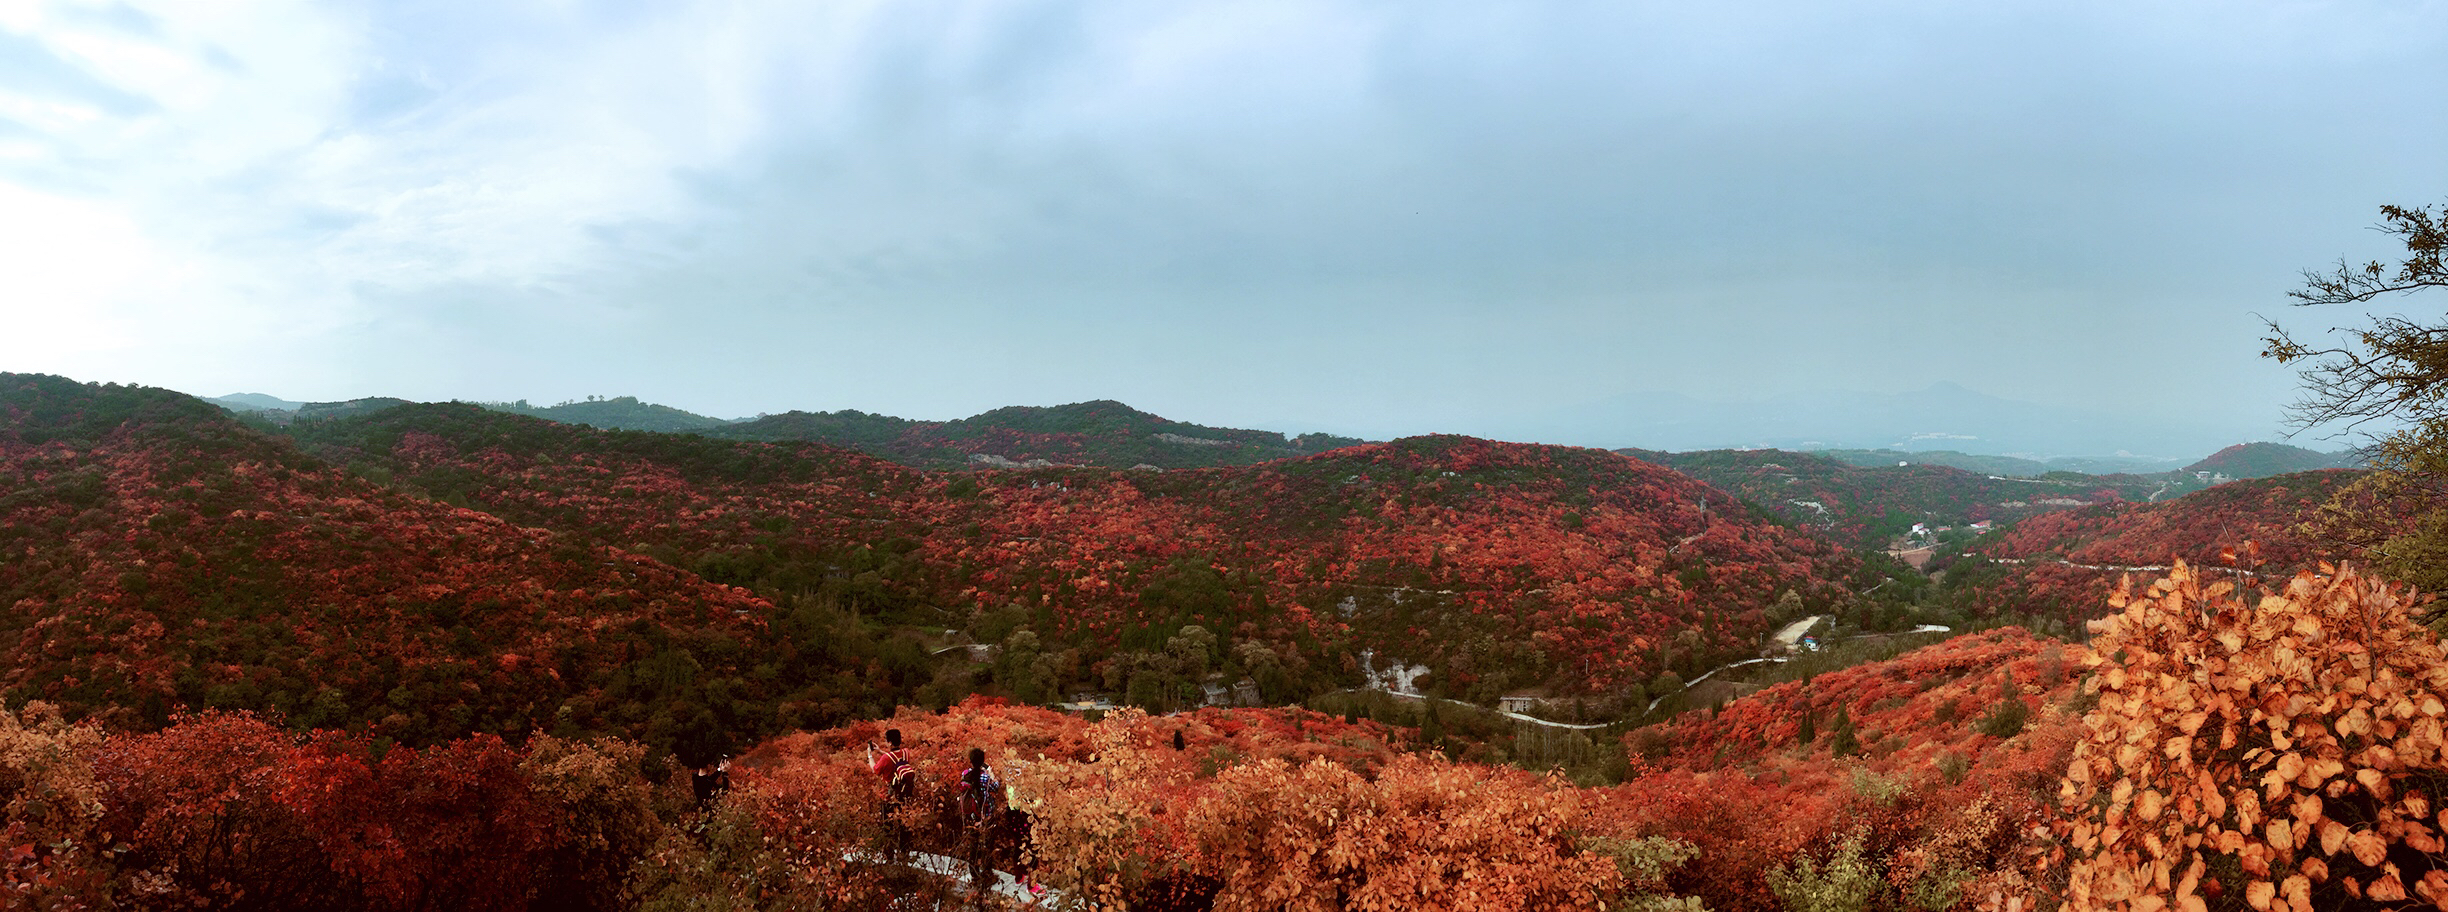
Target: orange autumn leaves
x: 1323, y: 816
x: 2288, y: 748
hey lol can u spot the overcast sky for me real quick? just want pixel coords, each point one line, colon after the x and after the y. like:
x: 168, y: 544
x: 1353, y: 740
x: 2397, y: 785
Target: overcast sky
x: 1376, y: 218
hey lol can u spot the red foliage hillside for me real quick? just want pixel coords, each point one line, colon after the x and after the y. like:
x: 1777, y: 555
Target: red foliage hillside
x: 1240, y: 809
x: 1992, y: 771
x: 1958, y: 746
x: 2054, y: 566
x: 160, y: 555
x: 1866, y: 507
x: 1479, y: 558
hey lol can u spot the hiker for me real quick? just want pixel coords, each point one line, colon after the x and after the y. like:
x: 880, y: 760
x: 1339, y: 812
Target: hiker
x: 710, y: 781
x: 981, y: 813
x: 900, y: 784
x: 1019, y: 843
x: 981, y: 794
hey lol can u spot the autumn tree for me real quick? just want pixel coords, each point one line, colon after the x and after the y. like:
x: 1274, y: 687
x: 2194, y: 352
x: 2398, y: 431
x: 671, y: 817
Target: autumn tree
x: 198, y: 802
x: 56, y: 855
x: 2392, y: 375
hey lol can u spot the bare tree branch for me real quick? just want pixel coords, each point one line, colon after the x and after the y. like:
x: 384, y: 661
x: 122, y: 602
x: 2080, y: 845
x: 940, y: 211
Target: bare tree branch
x: 2394, y: 370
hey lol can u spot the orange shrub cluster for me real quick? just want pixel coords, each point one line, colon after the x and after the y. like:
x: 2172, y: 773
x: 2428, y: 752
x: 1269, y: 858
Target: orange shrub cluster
x: 2288, y: 748
x: 1264, y: 809
x: 226, y: 811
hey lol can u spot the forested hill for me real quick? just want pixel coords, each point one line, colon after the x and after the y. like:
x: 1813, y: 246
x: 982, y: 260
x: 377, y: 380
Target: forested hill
x: 1101, y: 433
x: 2056, y: 565
x: 428, y: 571
x: 1866, y: 507
x: 2261, y: 460
x: 161, y: 555
x: 624, y: 413
x: 1497, y: 564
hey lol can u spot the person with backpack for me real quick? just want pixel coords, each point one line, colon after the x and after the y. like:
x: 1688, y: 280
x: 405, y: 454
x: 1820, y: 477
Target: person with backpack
x: 900, y: 784
x: 710, y: 781
x: 981, y: 813
x: 1018, y: 845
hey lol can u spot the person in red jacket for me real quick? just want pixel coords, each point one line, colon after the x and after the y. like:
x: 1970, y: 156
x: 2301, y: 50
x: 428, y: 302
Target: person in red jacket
x: 900, y: 784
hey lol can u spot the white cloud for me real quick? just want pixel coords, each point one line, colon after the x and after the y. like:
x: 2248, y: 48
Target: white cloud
x: 1500, y: 205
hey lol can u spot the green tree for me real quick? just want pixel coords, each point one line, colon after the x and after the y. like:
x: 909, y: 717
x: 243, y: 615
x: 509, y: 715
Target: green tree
x: 1017, y: 667
x: 1788, y: 608
x: 1845, y: 884
x: 2006, y: 720
x: 1192, y: 648
x: 1841, y: 742
x: 2387, y: 382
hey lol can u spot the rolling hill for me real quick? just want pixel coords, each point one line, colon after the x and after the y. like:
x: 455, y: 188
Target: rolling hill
x: 2054, y: 566
x: 2006, y: 465
x: 624, y: 413
x: 1498, y: 564
x: 1101, y: 433
x: 442, y: 593
x: 2261, y: 460
x: 1939, y: 757
x: 162, y: 555
x: 1866, y: 507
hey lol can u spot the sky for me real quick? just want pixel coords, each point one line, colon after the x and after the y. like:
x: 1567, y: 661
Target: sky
x: 1370, y: 218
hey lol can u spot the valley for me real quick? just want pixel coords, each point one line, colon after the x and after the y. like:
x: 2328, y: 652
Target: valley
x: 436, y: 581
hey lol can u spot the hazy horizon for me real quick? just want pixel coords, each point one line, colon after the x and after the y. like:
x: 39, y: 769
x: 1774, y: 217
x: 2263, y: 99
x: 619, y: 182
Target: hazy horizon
x: 1838, y: 417
x: 1546, y: 219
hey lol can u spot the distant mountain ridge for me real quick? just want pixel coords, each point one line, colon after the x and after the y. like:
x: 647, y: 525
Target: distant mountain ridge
x: 253, y: 402
x: 2261, y: 460
x: 1866, y: 506
x: 1101, y: 433
x: 162, y: 555
x: 1445, y: 551
x: 1111, y: 434
x: 1944, y: 416
x: 619, y: 413
x: 260, y: 407
x: 2012, y: 466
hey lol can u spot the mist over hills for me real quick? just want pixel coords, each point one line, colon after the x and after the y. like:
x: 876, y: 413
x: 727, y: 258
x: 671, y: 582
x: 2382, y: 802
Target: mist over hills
x: 1942, y: 416
x: 1945, y: 424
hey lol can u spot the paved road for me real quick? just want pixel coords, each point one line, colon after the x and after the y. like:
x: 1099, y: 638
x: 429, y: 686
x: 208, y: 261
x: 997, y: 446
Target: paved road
x: 1792, y: 633
x: 949, y: 867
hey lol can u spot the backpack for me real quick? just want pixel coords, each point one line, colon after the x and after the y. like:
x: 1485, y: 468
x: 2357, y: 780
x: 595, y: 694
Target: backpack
x: 901, y: 778
x: 981, y: 797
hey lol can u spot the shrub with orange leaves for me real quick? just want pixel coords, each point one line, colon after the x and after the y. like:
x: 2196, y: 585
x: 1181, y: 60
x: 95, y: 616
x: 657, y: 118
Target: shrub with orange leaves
x: 2288, y: 750
x: 53, y: 854
x: 1424, y: 834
